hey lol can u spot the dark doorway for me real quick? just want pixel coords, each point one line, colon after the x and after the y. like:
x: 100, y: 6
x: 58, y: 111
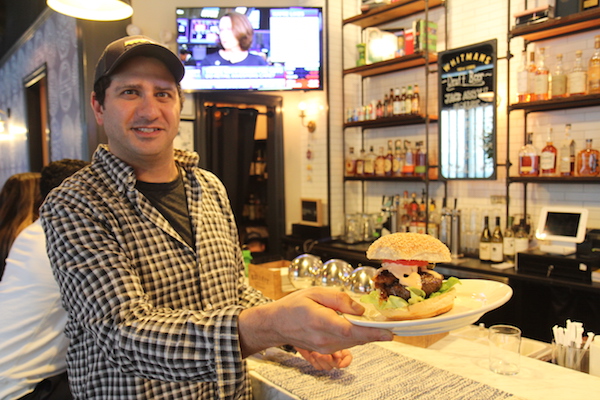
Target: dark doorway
x: 38, y: 127
x: 240, y: 139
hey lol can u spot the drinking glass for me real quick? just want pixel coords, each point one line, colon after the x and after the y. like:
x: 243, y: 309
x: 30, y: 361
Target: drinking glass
x: 505, y: 345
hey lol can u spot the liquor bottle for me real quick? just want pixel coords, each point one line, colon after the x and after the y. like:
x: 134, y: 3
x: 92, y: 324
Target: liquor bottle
x: 594, y: 68
x: 531, y: 68
x: 403, y: 101
x: 414, y: 213
x: 408, y: 101
x: 385, y: 104
x: 396, y: 109
x: 587, y: 160
x: 541, y: 77
x: 403, y: 213
x: 577, y: 78
x: 567, y: 154
x: 548, y: 157
x: 420, y: 160
x: 389, y: 160
x: 351, y: 162
x: 416, y: 101
x: 558, y: 80
x: 379, y: 109
x: 390, y: 106
x: 521, y: 238
x: 497, y: 242
x: 433, y: 224
x: 380, y: 163
x: 409, y: 160
x: 523, y: 94
x: 529, y: 160
x: 508, y: 245
x: 485, y: 241
x: 422, y: 219
x: 398, y: 162
x: 369, y: 166
x: 360, y: 163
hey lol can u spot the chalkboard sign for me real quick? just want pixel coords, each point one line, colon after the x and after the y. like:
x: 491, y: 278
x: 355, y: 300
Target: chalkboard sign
x: 467, y: 112
x: 312, y: 212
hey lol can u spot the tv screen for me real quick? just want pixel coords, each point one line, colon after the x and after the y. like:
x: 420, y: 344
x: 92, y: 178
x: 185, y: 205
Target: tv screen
x: 285, y: 53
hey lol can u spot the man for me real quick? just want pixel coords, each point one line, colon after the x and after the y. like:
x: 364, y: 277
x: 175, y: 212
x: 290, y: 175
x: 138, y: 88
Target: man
x: 32, y: 343
x: 146, y: 253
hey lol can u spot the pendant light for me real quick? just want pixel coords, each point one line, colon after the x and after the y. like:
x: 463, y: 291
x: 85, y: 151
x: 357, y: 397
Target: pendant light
x: 95, y: 10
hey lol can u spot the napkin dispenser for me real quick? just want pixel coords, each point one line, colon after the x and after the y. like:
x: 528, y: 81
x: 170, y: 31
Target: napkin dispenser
x: 570, y: 267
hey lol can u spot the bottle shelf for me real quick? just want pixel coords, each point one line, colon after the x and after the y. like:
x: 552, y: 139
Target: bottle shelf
x: 387, y: 178
x: 385, y: 122
x: 396, y: 10
x: 588, y: 100
x: 555, y: 27
x: 555, y: 179
x: 393, y: 64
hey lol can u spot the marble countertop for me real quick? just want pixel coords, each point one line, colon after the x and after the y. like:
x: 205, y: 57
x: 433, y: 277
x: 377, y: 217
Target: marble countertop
x: 536, y: 379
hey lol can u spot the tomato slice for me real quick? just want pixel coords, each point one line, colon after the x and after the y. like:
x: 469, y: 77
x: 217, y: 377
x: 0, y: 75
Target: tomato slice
x: 418, y: 263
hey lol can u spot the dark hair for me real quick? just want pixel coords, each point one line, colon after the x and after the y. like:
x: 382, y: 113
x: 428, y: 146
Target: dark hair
x: 19, y: 206
x: 104, y: 82
x: 54, y: 173
x: 242, y: 29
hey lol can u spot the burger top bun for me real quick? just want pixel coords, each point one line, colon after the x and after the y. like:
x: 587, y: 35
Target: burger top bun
x: 409, y: 246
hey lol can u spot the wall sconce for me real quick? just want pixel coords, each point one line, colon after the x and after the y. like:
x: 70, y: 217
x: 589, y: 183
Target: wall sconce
x: 311, y: 125
x: 96, y: 10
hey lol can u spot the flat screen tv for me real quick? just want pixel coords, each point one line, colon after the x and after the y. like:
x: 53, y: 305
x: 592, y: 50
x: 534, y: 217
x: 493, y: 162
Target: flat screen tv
x: 289, y: 39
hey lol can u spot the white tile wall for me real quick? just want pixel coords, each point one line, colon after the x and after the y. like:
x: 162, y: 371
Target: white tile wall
x: 469, y: 24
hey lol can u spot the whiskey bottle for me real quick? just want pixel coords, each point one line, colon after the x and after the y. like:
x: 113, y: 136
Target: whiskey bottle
x: 558, y: 80
x: 369, y: 166
x: 360, y: 163
x: 567, y: 154
x: 594, y: 68
x: 409, y: 160
x: 380, y: 163
x: 351, y: 162
x: 577, y: 78
x: 529, y: 160
x: 420, y: 160
x: 403, y: 101
x: 523, y: 94
x: 398, y: 162
x: 548, y: 157
x: 389, y: 159
x: 416, y: 101
x: 587, y: 160
x: 396, y: 109
x: 485, y: 241
x: 541, y: 78
x: 408, y: 101
x: 496, y: 246
x: 531, y: 68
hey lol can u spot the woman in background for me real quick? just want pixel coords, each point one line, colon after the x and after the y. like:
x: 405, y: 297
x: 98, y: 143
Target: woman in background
x: 19, y: 206
x: 235, y: 34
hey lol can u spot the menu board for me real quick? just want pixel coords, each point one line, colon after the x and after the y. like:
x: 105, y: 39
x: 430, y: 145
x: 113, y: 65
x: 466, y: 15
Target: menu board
x: 467, y: 123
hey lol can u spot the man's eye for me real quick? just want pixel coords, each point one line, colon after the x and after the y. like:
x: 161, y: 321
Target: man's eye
x: 129, y: 92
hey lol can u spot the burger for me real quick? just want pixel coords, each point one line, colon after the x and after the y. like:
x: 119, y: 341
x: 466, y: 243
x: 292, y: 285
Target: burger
x: 406, y: 287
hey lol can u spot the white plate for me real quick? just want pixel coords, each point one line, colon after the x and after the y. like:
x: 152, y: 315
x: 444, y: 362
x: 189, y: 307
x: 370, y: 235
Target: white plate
x: 474, y: 298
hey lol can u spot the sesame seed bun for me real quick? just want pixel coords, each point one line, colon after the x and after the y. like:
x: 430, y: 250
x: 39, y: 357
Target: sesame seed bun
x: 409, y: 246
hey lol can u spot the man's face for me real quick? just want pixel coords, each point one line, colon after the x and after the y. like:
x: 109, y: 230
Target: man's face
x: 141, y: 110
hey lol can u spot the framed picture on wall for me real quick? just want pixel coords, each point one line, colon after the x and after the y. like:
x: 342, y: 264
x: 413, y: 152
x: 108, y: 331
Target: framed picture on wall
x: 312, y: 212
x: 188, y: 110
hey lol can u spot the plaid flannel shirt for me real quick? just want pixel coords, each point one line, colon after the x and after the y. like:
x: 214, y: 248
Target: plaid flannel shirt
x: 149, y: 317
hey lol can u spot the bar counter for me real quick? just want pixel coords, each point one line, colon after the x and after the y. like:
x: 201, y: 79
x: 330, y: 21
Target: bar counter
x: 462, y: 363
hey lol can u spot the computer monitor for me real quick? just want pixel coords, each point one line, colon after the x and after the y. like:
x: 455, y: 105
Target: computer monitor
x: 560, y: 228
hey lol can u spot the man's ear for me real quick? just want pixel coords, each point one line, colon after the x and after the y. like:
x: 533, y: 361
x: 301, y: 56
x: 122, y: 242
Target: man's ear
x: 98, y: 109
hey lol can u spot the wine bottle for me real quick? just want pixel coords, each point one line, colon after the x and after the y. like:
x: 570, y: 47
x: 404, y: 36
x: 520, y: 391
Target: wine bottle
x: 548, y: 157
x: 521, y: 238
x: 485, y: 241
x: 497, y: 241
x: 508, y: 247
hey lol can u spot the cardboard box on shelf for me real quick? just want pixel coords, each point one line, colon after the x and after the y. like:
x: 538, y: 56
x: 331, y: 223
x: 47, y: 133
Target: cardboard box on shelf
x: 271, y: 278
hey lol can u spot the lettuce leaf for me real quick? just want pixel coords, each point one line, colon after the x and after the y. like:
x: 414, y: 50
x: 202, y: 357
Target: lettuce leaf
x: 416, y: 295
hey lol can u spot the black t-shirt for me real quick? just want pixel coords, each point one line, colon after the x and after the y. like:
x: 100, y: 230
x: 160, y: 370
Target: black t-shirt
x: 169, y: 198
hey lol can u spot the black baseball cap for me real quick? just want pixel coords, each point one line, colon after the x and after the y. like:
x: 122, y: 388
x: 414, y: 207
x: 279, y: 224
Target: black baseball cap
x: 125, y: 48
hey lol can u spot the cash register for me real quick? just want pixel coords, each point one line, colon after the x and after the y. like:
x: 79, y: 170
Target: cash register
x: 565, y: 246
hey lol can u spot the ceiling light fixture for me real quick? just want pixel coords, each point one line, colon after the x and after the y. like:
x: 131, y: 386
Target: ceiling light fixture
x: 95, y: 10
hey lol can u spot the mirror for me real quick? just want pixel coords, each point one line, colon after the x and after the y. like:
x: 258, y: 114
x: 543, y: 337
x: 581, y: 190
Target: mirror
x: 467, y: 112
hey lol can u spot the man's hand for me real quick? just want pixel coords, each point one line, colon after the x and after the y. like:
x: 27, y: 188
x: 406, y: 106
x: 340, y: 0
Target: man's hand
x: 307, y: 319
x: 327, y: 362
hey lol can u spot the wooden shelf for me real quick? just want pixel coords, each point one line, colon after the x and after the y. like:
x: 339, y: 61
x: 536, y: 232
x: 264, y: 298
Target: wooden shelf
x: 580, y: 22
x: 589, y: 100
x: 396, y: 10
x: 555, y: 179
x: 398, y: 120
x: 393, y: 64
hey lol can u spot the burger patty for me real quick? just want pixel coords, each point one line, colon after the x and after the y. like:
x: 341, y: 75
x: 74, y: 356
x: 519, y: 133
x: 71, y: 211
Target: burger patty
x: 389, y: 285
